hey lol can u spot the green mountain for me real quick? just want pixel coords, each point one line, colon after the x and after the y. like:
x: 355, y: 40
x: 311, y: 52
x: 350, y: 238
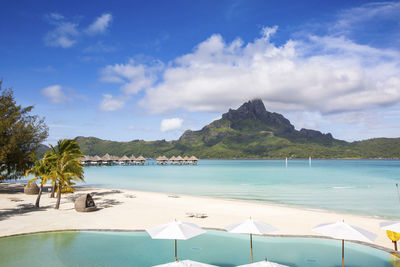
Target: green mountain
x: 249, y: 132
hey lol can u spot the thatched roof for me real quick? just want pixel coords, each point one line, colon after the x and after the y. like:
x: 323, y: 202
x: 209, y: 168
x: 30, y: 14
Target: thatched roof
x: 185, y: 158
x: 106, y: 157
x: 114, y: 158
x: 31, y: 189
x: 172, y: 158
x: 85, y: 203
x: 132, y: 157
x: 193, y: 158
x: 124, y: 158
x: 158, y: 158
x: 141, y: 158
x: 96, y: 158
x: 163, y: 158
x: 179, y: 158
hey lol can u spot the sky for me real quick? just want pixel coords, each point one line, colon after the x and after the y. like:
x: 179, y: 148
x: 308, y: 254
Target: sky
x: 150, y: 70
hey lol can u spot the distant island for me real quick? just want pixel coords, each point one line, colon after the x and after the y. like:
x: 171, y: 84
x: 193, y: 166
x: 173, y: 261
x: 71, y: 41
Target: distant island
x: 246, y: 133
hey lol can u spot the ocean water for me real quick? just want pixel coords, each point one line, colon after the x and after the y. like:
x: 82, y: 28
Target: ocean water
x: 356, y: 186
x: 215, y: 247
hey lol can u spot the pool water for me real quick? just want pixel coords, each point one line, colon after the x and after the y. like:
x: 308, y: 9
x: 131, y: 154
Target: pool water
x: 94, y: 248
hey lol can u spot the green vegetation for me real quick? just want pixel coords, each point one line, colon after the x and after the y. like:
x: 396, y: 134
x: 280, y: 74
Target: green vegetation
x: 20, y: 136
x: 64, y: 164
x: 41, y: 170
x: 249, y: 132
x: 61, y: 166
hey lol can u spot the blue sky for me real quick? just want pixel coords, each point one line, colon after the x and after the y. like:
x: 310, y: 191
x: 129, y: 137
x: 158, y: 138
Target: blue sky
x: 152, y: 69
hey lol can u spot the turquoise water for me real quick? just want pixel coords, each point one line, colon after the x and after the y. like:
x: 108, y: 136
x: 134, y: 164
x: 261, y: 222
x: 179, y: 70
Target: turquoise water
x: 214, y: 247
x: 355, y: 186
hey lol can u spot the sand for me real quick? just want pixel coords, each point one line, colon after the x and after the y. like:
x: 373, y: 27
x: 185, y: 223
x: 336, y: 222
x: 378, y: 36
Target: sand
x: 138, y: 210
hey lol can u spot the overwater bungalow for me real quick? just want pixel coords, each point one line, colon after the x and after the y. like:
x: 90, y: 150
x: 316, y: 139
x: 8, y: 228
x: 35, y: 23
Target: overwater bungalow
x: 179, y: 160
x: 132, y: 160
x: 163, y: 160
x: 185, y: 160
x: 96, y: 160
x: 141, y: 160
x: 124, y: 160
x: 106, y: 159
x: 115, y: 160
x: 172, y: 160
x: 193, y: 160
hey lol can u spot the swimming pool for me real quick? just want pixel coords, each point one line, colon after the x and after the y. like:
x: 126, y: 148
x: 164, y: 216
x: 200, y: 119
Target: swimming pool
x: 96, y: 248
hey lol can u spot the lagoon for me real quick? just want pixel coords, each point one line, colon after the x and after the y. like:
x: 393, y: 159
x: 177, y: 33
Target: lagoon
x: 366, y: 187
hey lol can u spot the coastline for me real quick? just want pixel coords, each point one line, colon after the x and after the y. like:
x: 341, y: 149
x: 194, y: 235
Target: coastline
x: 131, y: 210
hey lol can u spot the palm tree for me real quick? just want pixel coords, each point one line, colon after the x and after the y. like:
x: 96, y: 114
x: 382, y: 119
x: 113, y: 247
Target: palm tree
x: 65, y: 165
x: 40, y: 170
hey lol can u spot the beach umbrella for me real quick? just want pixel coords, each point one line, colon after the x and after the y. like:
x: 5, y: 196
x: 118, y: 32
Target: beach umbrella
x: 251, y: 227
x: 264, y: 263
x: 342, y: 230
x: 392, y: 230
x: 185, y: 263
x: 175, y: 230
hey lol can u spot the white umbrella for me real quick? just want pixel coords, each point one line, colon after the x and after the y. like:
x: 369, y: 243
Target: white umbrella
x: 185, y: 263
x: 342, y: 230
x: 251, y: 227
x: 264, y: 263
x: 175, y: 230
x: 393, y: 226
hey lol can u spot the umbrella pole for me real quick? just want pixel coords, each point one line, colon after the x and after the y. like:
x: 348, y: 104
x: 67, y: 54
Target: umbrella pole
x: 251, y: 247
x: 342, y: 252
x: 176, y: 254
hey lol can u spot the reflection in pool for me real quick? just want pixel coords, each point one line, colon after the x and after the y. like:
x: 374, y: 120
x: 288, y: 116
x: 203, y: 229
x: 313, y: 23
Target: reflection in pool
x: 94, y: 248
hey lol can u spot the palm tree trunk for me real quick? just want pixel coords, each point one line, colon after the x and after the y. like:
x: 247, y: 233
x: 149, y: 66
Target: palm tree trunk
x: 53, y: 189
x: 39, y: 195
x: 58, y: 196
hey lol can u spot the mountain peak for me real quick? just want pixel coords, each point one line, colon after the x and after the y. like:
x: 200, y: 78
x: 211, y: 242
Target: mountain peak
x: 254, y: 110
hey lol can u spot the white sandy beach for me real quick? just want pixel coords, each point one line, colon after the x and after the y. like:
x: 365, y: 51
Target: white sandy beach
x: 137, y: 210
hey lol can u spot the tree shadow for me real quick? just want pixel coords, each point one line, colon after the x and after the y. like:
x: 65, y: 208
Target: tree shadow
x: 21, y: 209
x: 9, y: 188
x: 106, y: 203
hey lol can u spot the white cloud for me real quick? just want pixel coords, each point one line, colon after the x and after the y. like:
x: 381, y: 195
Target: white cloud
x: 134, y: 77
x: 171, y: 124
x: 100, y: 25
x: 111, y: 103
x: 64, y: 35
x: 54, y: 93
x: 325, y: 74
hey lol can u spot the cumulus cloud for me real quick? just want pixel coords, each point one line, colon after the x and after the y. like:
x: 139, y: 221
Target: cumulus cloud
x: 326, y: 74
x: 100, y: 25
x: 171, y: 124
x: 111, y: 103
x: 54, y: 93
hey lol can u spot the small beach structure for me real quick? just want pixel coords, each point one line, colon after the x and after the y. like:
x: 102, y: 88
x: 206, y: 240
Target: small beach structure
x: 85, y: 203
x: 163, y: 160
x: 31, y: 189
x: 342, y: 230
x: 179, y: 160
x: 115, y: 160
x: 175, y: 230
x: 193, y: 160
x: 141, y: 160
x: 124, y: 160
x: 251, y: 227
x: 86, y: 160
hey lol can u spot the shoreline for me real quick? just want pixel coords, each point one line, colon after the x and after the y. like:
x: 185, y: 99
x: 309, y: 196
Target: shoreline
x: 131, y: 210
